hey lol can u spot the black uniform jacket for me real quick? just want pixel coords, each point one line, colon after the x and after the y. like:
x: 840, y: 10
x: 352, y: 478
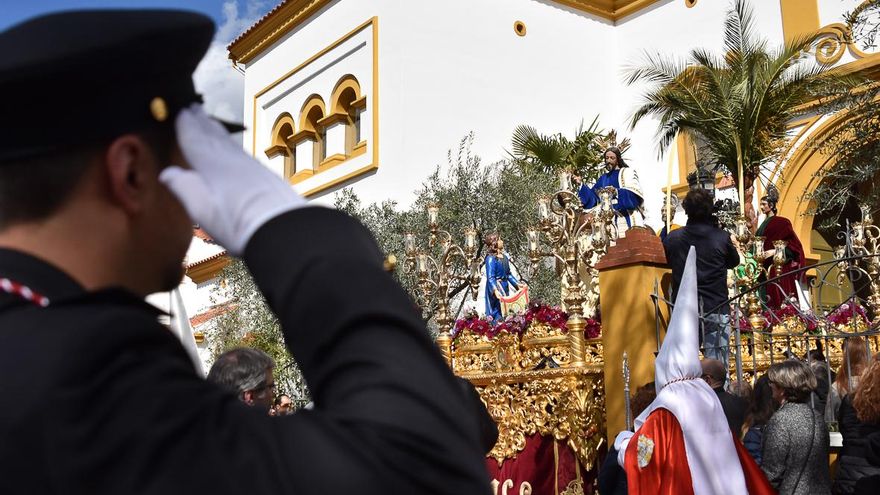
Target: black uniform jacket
x: 98, y: 397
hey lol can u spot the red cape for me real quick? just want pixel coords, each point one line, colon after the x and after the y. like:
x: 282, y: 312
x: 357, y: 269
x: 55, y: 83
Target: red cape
x: 667, y: 471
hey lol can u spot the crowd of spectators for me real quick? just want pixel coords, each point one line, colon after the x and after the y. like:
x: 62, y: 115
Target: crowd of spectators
x: 786, y: 429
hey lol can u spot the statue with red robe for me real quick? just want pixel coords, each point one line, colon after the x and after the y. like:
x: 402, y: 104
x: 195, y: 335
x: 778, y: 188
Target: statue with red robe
x: 775, y: 228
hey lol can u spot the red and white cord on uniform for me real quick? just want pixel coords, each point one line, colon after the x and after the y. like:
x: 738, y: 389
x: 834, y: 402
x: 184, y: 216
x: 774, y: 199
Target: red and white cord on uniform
x: 23, y: 291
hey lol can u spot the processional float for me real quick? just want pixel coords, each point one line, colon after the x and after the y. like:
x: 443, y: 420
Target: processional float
x: 540, y: 372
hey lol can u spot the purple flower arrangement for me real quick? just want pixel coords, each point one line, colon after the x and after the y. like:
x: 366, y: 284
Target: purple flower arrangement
x: 846, y: 313
x: 773, y: 317
x: 548, y: 315
x: 517, y: 324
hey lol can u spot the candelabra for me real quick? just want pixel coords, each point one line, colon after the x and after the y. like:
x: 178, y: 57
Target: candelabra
x: 778, y: 257
x: 561, y: 220
x: 434, y: 273
x: 866, y: 242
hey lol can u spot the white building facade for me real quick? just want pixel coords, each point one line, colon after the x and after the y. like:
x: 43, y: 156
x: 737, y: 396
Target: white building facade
x: 372, y: 93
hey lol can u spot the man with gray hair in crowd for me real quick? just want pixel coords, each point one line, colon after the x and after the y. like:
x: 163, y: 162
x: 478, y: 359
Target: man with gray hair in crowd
x: 248, y: 374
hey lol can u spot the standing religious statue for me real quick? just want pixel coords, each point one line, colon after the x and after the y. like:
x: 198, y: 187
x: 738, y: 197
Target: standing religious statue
x: 628, y: 207
x: 499, y: 279
x: 673, y: 206
x: 775, y: 228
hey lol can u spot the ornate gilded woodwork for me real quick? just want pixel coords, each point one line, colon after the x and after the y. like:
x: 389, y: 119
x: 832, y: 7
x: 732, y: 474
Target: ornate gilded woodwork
x: 529, y: 387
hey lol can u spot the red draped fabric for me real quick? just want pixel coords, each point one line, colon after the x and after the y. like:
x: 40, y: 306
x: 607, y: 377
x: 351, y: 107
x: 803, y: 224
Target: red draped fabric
x: 780, y: 229
x: 666, y: 470
x: 547, y: 465
x: 756, y: 480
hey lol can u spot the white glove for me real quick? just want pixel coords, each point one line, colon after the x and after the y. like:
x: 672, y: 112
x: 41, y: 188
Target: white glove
x: 227, y: 192
x: 621, y: 443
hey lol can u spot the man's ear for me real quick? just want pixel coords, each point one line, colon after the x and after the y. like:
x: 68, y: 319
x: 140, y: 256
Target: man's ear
x: 248, y: 397
x: 131, y: 170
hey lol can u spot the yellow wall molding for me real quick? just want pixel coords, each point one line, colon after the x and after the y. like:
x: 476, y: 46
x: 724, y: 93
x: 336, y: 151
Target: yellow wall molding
x: 341, y: 180
x: 283, y: 120
x: 331, y: 161
x: 360, y: 103
x: 799, y: 18
x: 312, y: 102
x: 609, y: 9
x: 347, y: 82
x: 374, y: 21
x: 301, y: 176
x: 207, y: 269
x: 359, y: 149
x: 272, y: 27
x: 334, y: 118
x: 303, y: 135
x: 276, y: 150
x: 291, y: 13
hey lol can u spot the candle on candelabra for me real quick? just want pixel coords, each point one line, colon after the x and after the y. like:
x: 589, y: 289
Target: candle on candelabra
x: 742, y: 226
x: 858, y: 231
x: 409, y: 244
x: 606, y: 194
x: 564, y: 181
x: 433, y: 212
x: 532, y: 235
x: 544, y: 208
x: 867, y: 219
x: 470, y: 242
x: 422, y: 264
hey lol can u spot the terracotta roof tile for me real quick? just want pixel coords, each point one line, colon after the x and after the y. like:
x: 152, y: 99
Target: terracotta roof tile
x: 201, y: 234
x: 257, y: 24
x: 211, y: 313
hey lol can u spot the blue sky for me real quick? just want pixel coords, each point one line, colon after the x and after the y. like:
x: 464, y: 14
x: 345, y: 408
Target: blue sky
x: 14, y: 11
x: 220, y: 84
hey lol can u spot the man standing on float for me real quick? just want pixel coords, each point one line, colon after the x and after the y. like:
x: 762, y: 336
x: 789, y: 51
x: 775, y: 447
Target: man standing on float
x: 628, y: 205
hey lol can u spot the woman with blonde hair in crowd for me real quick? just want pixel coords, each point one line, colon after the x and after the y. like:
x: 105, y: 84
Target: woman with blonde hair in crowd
x: 855, y: 361
x: 859, y: 417
x: 795, y: 450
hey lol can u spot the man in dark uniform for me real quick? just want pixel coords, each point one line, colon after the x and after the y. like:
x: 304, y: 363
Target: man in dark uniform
x: 105, y: 163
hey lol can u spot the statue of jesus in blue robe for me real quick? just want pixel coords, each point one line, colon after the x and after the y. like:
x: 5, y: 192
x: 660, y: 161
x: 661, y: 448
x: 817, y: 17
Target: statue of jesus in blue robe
x: 622, y: 178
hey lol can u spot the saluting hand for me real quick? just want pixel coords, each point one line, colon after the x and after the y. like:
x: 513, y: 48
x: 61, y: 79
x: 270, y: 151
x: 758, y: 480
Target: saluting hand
x: 227, y: 192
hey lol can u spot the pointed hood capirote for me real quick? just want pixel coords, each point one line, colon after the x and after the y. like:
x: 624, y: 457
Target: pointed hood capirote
x: 711, y: 453
x: 679, y: 357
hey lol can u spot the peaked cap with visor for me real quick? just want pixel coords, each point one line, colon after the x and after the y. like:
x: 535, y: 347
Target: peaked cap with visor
x: 80, y: 77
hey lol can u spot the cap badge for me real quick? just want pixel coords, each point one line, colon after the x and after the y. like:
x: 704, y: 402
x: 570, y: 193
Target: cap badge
x: 159, y: 109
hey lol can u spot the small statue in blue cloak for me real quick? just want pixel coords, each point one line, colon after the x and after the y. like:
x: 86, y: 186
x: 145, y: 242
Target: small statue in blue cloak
x: 628, y: 205
x: 499, y: 278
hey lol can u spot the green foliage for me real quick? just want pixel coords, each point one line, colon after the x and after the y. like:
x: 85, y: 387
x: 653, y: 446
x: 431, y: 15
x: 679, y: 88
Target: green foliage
x: 854, y: 146
x: 551, y: 154
x: 864, y: 23
x: 498, y: 197
x: 738, y: 104
x: 489, y: 198
x: 250, y: 323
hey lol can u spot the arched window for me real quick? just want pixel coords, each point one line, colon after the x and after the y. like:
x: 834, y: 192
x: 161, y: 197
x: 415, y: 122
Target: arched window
x: 282, y: 132
x: 348, y: 103
x: 312, y: 112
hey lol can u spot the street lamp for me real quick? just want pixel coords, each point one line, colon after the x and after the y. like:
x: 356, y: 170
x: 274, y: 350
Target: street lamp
x: 702, y: 178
